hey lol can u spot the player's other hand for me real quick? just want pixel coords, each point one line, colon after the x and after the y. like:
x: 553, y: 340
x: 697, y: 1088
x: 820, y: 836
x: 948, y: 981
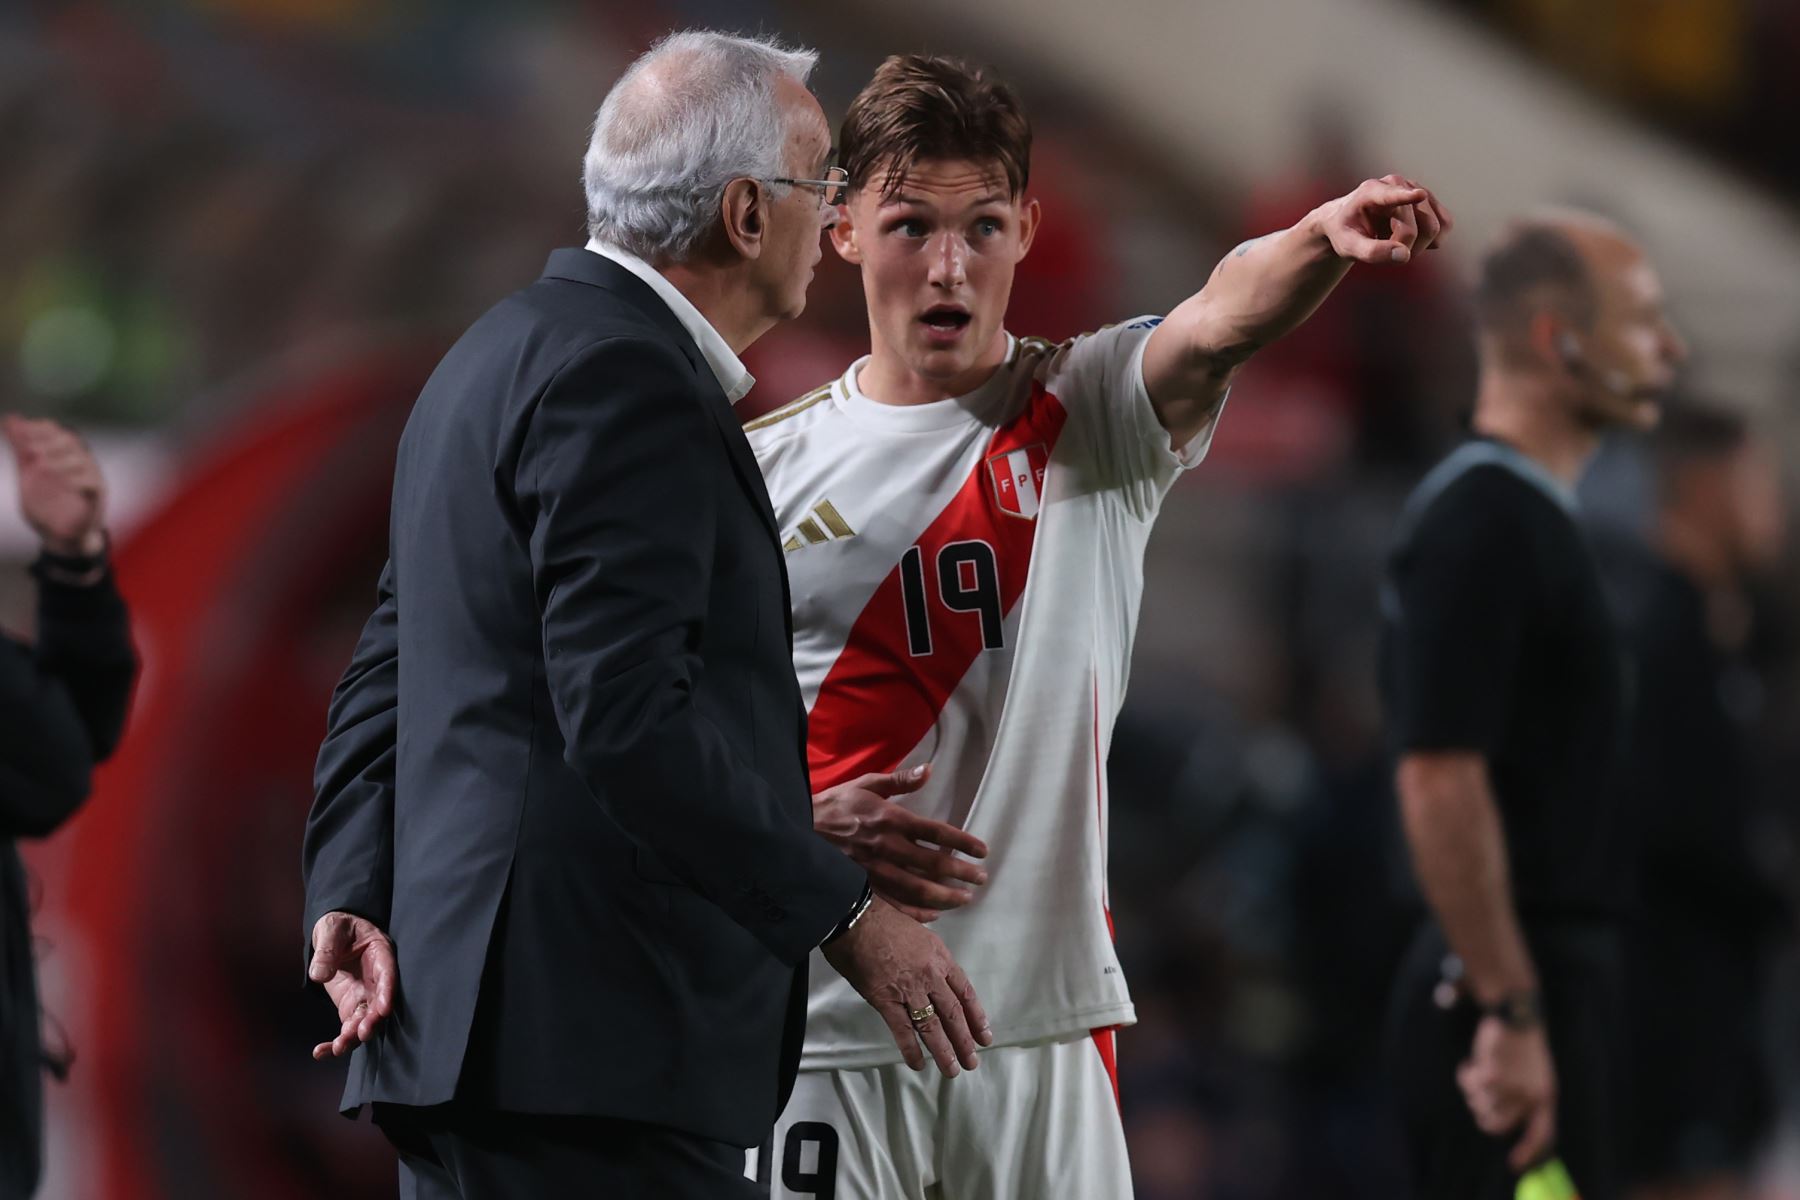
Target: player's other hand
x: 61, y: 493
x: 355, y: 962
x: 902, y: 968
x: 1386, y: 220
x: 911, y: 860
x: 1510, y: 1085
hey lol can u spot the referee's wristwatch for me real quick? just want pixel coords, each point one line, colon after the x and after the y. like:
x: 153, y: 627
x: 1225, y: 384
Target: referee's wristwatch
x: 1520, y: 1011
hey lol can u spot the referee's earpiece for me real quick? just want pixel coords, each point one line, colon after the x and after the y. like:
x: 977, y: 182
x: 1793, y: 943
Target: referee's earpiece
x: 1568, y: 346
x: 1570, y: 349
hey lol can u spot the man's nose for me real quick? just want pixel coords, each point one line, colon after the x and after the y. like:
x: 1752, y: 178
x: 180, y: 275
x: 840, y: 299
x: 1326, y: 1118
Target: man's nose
x: 1675, y: 347
x: 949, y: 261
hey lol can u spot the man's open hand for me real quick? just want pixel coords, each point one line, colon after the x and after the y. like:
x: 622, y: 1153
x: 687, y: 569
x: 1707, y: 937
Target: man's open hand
x: 901, y: 968
x: 1386, y: 220
x: 355, y: 962
x: 911, y: 860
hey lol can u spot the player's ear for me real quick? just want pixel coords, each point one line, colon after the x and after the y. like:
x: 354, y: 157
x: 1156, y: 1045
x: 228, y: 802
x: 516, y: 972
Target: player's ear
x: 843, y: 237
x: 744, y: 211
x: 1029, y: 213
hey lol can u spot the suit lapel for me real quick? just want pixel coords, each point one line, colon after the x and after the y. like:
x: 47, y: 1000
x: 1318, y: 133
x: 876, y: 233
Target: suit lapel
x: 737, y: 448
x: 583, y: 266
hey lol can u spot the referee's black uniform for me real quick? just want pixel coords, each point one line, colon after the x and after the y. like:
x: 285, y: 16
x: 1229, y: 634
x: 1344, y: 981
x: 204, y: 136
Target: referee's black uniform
x: 1498, y: 640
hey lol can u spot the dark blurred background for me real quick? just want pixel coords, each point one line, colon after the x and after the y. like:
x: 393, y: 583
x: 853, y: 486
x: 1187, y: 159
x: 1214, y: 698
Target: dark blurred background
x: 237, y: 232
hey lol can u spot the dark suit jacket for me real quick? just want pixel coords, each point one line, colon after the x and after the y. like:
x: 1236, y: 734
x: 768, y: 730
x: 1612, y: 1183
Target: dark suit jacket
x: 62, y: 708
x: 566, y: 767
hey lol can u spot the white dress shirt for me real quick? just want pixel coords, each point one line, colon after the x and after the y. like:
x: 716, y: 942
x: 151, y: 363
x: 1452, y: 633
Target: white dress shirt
x: 726, y: 366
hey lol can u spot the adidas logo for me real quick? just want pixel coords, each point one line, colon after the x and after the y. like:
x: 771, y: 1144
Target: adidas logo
x: 825, y: 525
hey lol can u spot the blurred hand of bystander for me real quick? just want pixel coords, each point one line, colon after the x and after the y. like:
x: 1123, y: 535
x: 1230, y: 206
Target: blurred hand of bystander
x: 61, y: 492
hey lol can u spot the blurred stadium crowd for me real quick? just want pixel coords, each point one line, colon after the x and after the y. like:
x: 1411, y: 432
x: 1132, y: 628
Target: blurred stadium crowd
x: 222, y: 214
x: 1712, y: 70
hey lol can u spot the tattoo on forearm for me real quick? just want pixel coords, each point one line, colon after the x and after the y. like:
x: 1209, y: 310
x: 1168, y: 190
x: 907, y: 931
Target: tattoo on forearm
x: 1239, y: 251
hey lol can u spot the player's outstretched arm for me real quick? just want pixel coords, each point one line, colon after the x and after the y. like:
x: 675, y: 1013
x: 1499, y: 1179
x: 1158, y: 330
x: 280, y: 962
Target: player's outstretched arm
x: 1267, y: 286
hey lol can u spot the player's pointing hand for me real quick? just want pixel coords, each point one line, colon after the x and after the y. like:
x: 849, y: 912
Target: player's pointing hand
x: 1386, y: 220
x: 912, y: 860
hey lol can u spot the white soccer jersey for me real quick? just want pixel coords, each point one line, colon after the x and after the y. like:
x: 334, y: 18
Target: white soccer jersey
x: 966, y: 577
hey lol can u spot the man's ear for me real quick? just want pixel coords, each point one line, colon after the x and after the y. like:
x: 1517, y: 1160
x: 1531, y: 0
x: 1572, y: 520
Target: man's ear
x: 1029, y: 216
x: 744, y: 210
x: 1550, y: 343
x: 843, y: 237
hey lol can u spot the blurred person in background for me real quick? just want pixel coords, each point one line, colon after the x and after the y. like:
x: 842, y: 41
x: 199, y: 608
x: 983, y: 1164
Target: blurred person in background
x: 1352, y: 392
x: 63, y: 702
x: 965, y: 514
x: 565, y: 765
x: 1502, y: 683
x: 1704, y: 914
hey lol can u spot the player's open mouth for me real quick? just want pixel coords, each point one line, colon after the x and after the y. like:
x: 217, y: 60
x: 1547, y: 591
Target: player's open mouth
x: 945, y: 322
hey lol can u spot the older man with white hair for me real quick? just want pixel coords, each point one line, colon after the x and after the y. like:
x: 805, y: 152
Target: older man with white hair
x: 565, y: 769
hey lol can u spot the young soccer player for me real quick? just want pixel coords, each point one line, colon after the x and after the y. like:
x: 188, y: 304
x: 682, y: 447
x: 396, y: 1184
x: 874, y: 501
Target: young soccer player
x: 965, y: 514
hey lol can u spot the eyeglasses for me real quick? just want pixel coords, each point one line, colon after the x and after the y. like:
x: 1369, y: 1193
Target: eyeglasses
x: 831, y: 188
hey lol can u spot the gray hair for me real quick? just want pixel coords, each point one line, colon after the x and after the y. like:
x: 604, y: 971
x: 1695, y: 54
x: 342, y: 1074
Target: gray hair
x: 694, y: 112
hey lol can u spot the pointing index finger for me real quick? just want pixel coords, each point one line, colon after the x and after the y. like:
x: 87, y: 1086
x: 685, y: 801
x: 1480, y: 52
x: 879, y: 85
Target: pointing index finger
x: 1387, y: 194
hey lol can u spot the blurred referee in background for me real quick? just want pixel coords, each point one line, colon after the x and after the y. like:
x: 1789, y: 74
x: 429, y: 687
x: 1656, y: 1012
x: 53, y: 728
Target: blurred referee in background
x: 1502, y: 681
x: 1704, y: 910
x: 62, y: 707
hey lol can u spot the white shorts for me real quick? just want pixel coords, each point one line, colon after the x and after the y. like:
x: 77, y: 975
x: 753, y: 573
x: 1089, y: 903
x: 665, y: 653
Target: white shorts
x: 1031, y: 1123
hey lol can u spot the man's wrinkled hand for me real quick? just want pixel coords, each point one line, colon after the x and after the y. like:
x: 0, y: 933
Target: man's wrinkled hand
x: 355, y: 962
x: 901, y: 968
x: 911, y: 860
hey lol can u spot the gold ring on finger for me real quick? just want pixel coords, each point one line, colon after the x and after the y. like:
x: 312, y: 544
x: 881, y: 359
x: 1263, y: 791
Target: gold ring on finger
x: 919, y: 1016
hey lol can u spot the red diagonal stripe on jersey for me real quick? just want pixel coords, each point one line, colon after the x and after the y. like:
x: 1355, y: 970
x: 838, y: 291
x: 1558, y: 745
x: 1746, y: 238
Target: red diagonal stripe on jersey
x: 878, y: 701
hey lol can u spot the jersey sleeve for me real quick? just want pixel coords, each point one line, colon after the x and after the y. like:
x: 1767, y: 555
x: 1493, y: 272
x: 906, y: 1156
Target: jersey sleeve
x: 1462, y: 589
x: 1099, y: 379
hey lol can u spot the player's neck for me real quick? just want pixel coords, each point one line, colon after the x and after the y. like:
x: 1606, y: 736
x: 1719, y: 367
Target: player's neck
x: 1521, y: 413
x: 888, y: 379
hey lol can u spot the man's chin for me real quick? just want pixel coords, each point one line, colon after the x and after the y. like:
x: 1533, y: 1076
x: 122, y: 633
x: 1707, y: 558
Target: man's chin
x: 940, y: 363
x: 1635, y: 414
x: 1645, y: 415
